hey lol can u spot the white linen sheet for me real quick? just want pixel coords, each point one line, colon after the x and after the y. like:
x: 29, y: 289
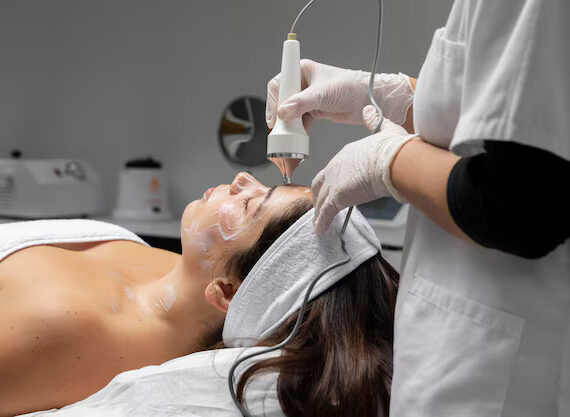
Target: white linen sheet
x: 191, y: 386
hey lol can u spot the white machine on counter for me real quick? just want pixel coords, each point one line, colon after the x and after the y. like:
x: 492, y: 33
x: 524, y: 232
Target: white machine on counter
x: 143, y: 192
x: 49, y: 188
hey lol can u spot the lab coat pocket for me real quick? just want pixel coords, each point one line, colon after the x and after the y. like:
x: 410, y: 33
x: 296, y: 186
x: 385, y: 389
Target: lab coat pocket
x: 452, y: 356
x: 448, y: 49
x: 437, y: 99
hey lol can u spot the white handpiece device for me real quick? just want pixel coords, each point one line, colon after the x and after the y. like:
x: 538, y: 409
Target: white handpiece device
x: 288, y: 142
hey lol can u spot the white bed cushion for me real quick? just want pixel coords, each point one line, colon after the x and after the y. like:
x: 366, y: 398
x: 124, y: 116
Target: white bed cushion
x: 190, y: 386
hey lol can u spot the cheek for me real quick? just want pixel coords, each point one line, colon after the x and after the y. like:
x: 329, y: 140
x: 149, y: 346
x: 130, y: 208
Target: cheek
x: 205, y: 240
x: 199, y: 242
x: 200, y: 247
x: 230, y: 221
x: 186, y: 214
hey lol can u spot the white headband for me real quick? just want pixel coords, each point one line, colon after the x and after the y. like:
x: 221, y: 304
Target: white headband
x: 274, y: 288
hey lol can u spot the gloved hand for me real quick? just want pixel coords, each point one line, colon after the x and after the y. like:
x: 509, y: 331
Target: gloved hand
x: 360, y: 172
x: 339, y: 95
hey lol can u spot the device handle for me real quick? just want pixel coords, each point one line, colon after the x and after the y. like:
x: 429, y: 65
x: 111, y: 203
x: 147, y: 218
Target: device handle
x: 290, y: 83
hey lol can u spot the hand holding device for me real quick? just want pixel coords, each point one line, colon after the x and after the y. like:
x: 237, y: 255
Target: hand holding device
x: 339, y: 95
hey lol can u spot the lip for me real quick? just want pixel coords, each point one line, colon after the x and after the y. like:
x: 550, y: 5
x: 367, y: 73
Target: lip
x: 207, y: 194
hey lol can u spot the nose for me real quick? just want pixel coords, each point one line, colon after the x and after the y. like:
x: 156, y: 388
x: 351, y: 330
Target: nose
x: 242, y: 181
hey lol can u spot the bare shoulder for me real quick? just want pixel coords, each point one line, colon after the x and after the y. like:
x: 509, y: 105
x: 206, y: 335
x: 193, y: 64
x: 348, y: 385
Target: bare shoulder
x: 59, y: 341
x: 44, y: 352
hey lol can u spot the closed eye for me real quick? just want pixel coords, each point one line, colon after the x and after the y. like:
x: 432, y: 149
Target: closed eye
x: 246, y: 202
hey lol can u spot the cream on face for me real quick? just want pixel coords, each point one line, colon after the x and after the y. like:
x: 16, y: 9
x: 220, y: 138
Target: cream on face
x: 229, y: 216
x: 200, y: 241
x: 230, y: 221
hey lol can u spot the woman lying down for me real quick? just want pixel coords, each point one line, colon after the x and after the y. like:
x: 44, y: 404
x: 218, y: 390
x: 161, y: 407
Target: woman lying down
x: 82, y: 301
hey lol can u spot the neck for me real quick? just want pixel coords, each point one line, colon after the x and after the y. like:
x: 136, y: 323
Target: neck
x: 177, y: 300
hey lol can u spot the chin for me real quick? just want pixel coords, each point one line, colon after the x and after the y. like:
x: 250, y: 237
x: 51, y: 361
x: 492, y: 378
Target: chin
x: 189, y: 210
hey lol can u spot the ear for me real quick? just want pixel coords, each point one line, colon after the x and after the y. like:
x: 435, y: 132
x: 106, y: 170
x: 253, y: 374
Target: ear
x: 220, y: 292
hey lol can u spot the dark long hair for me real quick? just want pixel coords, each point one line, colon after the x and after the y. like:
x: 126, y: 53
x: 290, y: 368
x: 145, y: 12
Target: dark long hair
x: 340, y: 362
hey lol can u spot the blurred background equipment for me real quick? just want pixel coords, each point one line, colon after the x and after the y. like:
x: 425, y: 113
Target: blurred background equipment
x: 388, y: 219
x: 242, y: 132
x: 143, y: 191
x: 49, y: 188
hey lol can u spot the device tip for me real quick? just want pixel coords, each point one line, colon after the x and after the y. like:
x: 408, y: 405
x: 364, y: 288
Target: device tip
x: 286, y: 180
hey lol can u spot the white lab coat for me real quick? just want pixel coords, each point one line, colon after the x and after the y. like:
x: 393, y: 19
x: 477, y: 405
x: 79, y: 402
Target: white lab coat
x: 480, y: 333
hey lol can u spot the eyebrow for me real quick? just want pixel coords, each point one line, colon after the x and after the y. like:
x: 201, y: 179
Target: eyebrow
x: 267, y: 197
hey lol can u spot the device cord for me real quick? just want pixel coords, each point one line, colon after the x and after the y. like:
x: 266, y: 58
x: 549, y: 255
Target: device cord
x: 375, y: 64
x: 309, y: 4
x: 302, y: 309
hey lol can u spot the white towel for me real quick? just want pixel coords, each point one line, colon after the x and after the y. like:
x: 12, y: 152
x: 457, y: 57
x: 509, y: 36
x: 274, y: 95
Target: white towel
x: 274, y: 288
x: 20, y: 235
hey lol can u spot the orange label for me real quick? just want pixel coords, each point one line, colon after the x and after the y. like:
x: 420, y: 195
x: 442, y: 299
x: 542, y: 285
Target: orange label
x: 154, y: 185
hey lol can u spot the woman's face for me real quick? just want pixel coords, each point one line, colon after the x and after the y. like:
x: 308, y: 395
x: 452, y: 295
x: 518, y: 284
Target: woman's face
x: 231, y: 217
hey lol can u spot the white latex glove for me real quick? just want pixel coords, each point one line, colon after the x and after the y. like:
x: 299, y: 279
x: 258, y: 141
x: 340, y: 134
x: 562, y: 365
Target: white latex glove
x: 339, y: 95
x: 360, y: 172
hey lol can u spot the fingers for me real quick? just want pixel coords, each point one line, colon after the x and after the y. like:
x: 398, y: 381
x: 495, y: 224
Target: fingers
x: 299, y: 104
x: 371, y: 118
x: 291, y: 109
x: 325, y: 209
x: 325, y: 217
x: 307, y: 68
x: 272, y: 100
x: 308, y: 120
x: 316, y: 186
x: 390, y: 128
x: 318, y: 196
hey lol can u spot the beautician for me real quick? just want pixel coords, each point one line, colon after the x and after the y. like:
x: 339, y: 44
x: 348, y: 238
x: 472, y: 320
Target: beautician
x: 479, y: 146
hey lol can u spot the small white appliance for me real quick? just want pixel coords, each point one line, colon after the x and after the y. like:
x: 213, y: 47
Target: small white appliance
x: 143, y: 191
x: 49, y: 188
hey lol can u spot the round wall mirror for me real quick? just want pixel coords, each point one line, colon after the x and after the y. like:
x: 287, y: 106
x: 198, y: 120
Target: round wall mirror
x: 242, y: 133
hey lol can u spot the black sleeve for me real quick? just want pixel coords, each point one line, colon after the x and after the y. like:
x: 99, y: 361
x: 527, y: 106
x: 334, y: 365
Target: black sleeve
x: 513, y: 198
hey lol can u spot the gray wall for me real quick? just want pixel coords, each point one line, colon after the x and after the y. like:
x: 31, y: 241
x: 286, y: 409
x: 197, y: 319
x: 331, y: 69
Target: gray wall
x: 108, y: 80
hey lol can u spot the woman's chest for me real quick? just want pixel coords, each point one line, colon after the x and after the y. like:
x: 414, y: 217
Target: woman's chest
x: 64, y: 296
x: 96, y: 281
x: 48, y: 274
